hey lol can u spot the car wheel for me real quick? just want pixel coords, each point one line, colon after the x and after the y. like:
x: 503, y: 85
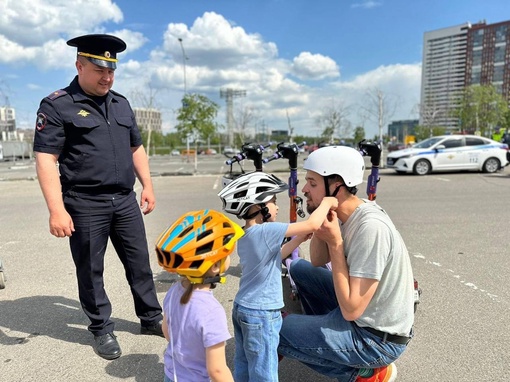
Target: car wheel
x: 491, y: 165
x: 422, y: 167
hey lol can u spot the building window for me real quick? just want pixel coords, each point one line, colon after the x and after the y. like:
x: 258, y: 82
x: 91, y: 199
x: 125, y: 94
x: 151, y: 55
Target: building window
x: 499, y: 53
x: 475, y: 76
x: 501, y: 33
x: 478, y: 38
x: 498, y: 73
x: 477, y: 57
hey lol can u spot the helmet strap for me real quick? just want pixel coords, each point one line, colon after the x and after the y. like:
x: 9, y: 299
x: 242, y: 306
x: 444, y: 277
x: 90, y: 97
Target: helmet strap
x: 326, y: 185
x: 264, y: 211
x: 337, y: 189
x: 353, y: 190
x: 214, y: 280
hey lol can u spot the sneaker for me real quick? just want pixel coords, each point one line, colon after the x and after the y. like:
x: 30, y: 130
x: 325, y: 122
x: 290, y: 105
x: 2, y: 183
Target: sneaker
x: 381, y: 374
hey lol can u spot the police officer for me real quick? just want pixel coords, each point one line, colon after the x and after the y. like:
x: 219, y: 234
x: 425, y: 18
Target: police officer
x: 91, y: 133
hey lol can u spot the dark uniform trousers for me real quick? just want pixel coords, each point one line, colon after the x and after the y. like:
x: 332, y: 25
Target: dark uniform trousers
x: 118, y: 217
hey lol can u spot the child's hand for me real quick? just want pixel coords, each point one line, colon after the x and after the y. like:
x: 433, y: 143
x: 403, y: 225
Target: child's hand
x: 304, y: 238
x: 333, y: 202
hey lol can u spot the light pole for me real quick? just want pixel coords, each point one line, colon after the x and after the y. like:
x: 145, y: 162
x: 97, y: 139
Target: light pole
x: 184, y: 58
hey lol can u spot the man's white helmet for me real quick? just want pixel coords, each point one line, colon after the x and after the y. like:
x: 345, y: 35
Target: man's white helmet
x: 250, y: 189
x: 337, y: 160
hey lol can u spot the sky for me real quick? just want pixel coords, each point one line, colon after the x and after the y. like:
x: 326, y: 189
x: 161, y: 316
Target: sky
x: 296, y: 59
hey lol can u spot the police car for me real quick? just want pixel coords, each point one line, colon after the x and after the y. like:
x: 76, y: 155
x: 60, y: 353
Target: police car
x: 450, y: 153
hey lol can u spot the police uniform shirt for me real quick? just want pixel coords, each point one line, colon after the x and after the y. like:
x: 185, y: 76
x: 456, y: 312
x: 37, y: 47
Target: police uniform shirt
x: 94, y: 149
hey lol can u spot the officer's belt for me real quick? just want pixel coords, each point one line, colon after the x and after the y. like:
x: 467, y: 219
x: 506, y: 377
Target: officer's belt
x: 97, y: 192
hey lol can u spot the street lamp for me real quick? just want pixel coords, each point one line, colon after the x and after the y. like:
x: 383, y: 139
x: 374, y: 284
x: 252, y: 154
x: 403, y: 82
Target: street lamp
x: 184, y: 58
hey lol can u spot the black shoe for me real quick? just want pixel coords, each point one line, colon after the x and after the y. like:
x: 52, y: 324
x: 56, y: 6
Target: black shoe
x: 107, y: 346
x: 154, y: 329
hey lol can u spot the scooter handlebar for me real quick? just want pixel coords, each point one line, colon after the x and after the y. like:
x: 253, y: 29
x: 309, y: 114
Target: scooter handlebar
x: 236, y: 158
x: 249, y: 151
x: 276, y: 155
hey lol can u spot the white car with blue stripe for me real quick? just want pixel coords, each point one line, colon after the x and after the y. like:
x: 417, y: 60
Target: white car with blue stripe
x: 450, y: 153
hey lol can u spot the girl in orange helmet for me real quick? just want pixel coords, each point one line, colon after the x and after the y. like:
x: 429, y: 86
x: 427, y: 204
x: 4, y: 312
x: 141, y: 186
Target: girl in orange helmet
x: 197, y: 246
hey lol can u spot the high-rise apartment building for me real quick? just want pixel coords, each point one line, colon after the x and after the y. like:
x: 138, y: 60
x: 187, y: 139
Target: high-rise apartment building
x: 488, y: 52
x: 457, y: 57
x: 443, y: 74
x: 148, y: 119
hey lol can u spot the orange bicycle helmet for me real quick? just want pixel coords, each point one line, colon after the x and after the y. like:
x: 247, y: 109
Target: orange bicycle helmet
x: 195, y: 242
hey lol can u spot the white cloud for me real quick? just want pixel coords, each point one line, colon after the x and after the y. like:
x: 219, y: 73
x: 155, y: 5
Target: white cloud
x: 309, y: 66
x: 133, y: 40
x: 33, y: 86
x: 400, y: 83
x: 366, y: 4
x: 212, y: 41
x: 30, y: 30
x: 32, y: 22
x: 219, y: 54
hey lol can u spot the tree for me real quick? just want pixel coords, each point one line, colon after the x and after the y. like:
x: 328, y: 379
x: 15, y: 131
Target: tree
x: 243, y: 118
x: 380, y: 108
x: 333, y: 121
x: 430, y: 112
x: 196, y: 118
x: 424, y: 132
x: 481, y: 109
x: 359, y: 134
x: 147, y: 102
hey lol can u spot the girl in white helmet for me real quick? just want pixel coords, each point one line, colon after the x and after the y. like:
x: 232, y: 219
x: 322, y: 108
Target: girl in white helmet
x: 359, y: 314
x: 257, y: 307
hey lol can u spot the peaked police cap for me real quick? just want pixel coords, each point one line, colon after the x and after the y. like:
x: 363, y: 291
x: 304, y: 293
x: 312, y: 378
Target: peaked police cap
x: 100, y: 49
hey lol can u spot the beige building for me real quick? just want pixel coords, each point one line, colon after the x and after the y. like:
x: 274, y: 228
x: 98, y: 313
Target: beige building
x: 7, y: 121
x: 148, y: 119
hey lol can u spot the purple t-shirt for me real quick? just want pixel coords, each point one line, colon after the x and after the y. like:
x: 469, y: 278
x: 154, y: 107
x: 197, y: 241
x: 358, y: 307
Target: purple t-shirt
x: 193, y: 327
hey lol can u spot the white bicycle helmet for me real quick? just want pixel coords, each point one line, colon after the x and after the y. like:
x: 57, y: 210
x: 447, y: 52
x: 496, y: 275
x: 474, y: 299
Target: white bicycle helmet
x: 250, y: 189
x: 337, y: 160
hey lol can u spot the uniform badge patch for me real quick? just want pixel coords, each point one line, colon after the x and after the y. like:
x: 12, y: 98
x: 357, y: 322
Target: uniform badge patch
x: 83, y: 113
x: 41, y: 121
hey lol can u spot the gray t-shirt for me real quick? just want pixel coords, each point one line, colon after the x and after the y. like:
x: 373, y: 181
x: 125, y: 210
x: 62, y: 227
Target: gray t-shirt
x: 374, y: 249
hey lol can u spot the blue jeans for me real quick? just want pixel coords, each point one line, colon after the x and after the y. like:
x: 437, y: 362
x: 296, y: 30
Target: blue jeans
x: 256, y: 334
x: 167, y: 379
x: 323, y: 339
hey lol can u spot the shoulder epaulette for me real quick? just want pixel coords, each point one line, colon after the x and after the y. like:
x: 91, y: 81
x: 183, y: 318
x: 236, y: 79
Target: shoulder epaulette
x: 117, y: 94
x: 58, y: 93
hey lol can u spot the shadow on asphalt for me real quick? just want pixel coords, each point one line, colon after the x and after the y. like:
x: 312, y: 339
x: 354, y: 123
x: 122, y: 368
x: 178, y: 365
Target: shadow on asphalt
x: 137, y: 366
x: 52, y: 316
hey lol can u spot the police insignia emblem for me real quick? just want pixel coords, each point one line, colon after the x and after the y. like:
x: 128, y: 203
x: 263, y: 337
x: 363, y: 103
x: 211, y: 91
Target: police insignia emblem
x: 83, y: 113
x: 41, y: 121
x: 107, y: 54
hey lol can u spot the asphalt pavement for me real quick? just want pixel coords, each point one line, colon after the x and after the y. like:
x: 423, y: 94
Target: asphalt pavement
x: 455, y: 226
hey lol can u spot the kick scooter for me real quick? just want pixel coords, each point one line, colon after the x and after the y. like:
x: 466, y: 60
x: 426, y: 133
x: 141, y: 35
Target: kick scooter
x: 373, y: 151
x: 290, y: 152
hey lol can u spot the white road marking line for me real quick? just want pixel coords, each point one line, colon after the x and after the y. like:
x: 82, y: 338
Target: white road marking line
x: 217, y: 181
x: 470, y: 285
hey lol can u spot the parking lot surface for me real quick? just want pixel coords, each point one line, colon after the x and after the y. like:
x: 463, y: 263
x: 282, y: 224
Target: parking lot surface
x: 455, y: 226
